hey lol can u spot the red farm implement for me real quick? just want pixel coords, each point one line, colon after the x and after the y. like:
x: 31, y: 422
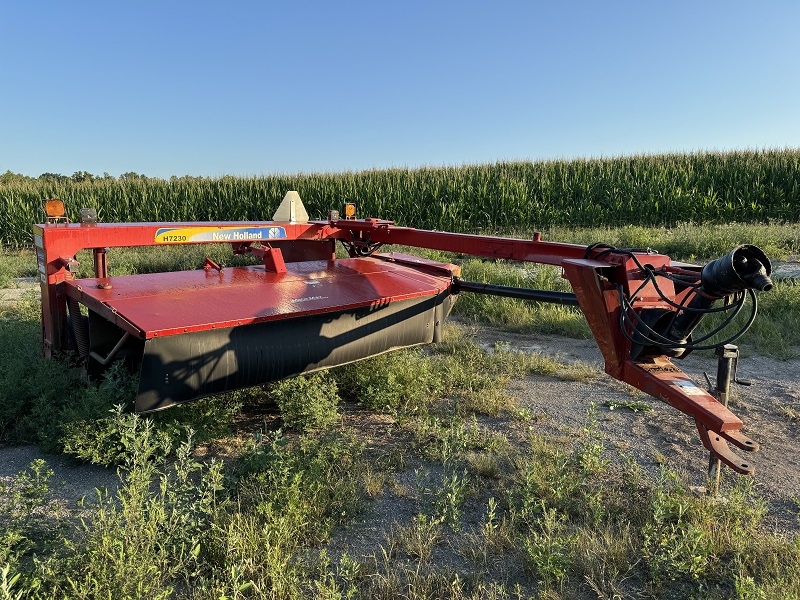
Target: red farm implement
x: 196, y: 333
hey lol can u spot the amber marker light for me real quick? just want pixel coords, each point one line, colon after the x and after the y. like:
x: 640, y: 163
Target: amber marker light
x: 55, y: 211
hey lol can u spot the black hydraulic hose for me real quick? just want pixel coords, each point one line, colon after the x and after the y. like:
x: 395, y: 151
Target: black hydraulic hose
x: 564, y: 298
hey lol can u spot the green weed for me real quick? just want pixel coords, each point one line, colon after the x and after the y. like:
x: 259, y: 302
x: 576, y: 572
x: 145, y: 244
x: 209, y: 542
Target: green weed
x: 440, y: 499
x: 548, y: 548
x: 111, y: 440
x: 446, y: 440
x: 16, y: 263
x: 315, y: 482
x: 9, y: 580
x: 307, y: 402
x: 167, y: 532
x: 419, y: 538
x: 24, y: 528
x: 457, y: 371
x: 401, y: 382
x: 520, y: 315
x: 43, y: 397
x: 108, y: 440
x: 674, y: 546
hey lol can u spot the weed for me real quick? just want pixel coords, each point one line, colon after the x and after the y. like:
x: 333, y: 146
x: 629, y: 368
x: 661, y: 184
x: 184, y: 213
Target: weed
x: 307, y: 402
x: 24, y: 527
x: 497, y: 534
x: 411, y: 382
x: 349, y: 572
x: 548, y: 548
x: 571, y: 483
x: 330, y: 585
x: 142, y: 541
x: 374, y: 481
x: 674, y: 546
x: 446, y: 440
x: 8, y: 580
x: 108, y: 440
x: 47, y: 400
x: 484, y: 464
x: 419, y: 538
x: 790, y: 413
x: 442, y: 500
x: 603, y: 555
x: 404, y: 382
x: 307, y: 486
x: 747, y: 589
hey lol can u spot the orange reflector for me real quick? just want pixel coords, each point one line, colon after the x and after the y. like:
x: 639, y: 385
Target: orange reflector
x: 349, y: 211
x: 54, y: 208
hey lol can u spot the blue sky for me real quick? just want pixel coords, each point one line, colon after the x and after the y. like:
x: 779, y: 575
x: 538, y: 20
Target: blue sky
x: 248, y: 88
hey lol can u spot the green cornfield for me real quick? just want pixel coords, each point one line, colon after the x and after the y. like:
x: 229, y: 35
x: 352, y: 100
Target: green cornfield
x: 658, y: 190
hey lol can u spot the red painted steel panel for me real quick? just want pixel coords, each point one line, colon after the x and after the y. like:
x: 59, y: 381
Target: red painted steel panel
x: 673, y: 386
x: 170, y: 303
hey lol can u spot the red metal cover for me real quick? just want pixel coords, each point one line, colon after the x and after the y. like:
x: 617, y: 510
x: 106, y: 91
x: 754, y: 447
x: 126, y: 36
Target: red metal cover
x: 162, y: 304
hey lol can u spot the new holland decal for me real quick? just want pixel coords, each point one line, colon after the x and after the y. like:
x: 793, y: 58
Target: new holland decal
x: 184, y: 235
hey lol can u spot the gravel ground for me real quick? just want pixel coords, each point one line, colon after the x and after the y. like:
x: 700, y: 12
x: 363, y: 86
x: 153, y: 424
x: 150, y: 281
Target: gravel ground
x: 664, y: 435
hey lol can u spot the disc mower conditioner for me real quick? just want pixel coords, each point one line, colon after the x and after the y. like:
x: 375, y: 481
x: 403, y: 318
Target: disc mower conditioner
x: 196, y: 333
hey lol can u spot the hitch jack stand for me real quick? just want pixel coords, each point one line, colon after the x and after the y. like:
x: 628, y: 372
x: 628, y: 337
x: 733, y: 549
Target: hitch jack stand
x: 727, y: 355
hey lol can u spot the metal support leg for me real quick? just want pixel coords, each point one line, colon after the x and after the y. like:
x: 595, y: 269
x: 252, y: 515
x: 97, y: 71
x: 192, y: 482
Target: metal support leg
x: 100, y: 262
x: 725, y: 356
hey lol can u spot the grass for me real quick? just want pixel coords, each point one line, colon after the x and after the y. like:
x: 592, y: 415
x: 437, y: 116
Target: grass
x: 490, y: 509
x: 16, y: 263
x: 690, y: 241
x: 519, y: 315
x: 490, y: 514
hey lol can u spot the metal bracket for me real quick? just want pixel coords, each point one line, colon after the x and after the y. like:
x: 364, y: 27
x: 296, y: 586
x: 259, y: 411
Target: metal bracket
x: 719, y: 449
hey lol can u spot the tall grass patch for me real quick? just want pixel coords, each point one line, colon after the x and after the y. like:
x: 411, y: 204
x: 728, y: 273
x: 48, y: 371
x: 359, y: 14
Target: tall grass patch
x: 520, y: 315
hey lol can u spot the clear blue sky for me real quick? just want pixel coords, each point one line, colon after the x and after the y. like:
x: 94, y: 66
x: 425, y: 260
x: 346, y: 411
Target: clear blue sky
x: 246, y: 88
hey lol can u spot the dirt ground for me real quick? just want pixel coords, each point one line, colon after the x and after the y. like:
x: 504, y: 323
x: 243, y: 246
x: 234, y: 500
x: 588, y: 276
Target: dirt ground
x: 664, y: 435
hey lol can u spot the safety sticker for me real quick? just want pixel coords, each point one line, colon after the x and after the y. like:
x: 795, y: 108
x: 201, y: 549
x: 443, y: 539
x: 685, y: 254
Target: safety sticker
x: 690, y: 389
x: 184, y: 235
